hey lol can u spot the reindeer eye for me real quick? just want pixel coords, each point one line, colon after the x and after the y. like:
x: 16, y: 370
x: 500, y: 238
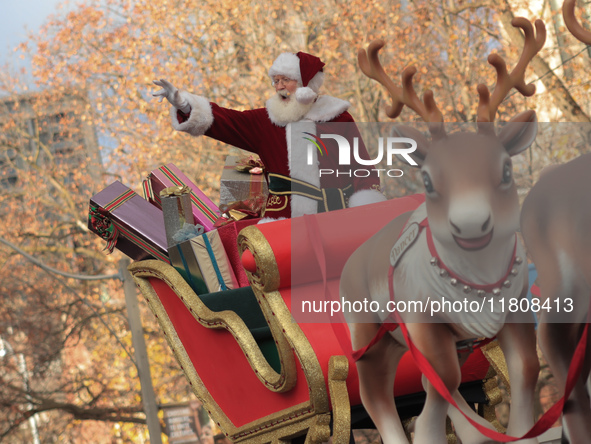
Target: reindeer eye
x: 507, y: 174
x: 428, y: 183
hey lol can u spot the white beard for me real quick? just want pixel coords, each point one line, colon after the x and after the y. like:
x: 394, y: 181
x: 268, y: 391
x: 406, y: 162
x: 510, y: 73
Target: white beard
x: 282, y: 112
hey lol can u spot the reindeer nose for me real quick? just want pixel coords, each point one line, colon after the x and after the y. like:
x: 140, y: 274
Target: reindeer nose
x: 458, y: 231
x: 470, y: 216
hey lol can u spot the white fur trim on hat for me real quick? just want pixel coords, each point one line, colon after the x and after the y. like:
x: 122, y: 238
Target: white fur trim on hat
x: 288, y: 65
x: 364, y: 197
x: 305, y: 95
x: 201, y: 117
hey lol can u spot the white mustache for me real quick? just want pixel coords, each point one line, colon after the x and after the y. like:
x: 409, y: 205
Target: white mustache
x: 283, y: 93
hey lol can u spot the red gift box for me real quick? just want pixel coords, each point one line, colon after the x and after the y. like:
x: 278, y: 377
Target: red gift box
x: 229, y: 236
x: 128, y: 222
x: 204, y: 210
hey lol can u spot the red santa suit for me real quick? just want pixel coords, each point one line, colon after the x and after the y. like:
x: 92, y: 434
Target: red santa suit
x: 296, y: 185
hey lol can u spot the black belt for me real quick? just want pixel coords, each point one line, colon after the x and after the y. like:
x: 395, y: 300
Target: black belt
x: 328, y: 198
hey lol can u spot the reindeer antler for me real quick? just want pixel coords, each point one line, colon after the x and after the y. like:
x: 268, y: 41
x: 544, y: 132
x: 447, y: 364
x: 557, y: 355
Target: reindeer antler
x: 489, y: 104
x: 370, y: 65
x: 575, y: 28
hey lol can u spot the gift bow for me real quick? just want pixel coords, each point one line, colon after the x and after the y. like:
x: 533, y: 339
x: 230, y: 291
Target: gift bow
x: 103, y: 226
x: 177, y: 190
x: 187, y: 232
x: 250, y: 164
x: 241, y: 209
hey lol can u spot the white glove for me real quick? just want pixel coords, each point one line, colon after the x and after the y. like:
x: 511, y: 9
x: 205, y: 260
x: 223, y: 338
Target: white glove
x: 171, y: 93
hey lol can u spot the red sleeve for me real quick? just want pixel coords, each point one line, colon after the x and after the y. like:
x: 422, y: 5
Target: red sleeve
x: 242, y: 129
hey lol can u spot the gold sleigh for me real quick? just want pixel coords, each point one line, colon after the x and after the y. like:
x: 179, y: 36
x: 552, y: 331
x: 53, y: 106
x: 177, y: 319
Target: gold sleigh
x: 264, y: 378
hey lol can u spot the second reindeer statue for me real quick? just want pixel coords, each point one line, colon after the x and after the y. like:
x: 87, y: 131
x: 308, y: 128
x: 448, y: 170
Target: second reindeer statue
x: 460, y: 245
x: 556, y: 225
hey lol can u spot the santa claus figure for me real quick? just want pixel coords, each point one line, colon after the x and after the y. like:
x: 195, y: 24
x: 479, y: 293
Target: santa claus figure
x: 302, y: 180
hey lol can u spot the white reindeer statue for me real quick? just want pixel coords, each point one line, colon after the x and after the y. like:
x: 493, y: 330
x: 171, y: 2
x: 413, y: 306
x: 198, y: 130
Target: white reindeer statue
x: 460, y: 245
x: 556, y: 226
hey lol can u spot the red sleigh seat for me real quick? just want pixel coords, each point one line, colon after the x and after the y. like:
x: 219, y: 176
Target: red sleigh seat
x: 304, y: 382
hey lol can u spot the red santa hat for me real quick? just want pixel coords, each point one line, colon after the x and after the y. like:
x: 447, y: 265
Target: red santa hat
x: 303, y: 67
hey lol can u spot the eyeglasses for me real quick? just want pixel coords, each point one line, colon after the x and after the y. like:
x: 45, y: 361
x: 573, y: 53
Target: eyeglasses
x: 281, y: 80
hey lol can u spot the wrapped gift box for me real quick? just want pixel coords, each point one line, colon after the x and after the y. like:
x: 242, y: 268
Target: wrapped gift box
x: 203, y: 263
x: 237, y: 185
x: 229, y: 236
x: 128, y: 222
x: 177, y: 211
x: 204, y: 210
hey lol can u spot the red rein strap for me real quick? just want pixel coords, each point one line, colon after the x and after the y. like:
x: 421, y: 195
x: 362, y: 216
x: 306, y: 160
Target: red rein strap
x: 385, y: 327
x: 543, y: 424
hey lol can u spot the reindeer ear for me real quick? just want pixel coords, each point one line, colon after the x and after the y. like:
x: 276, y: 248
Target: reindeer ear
x: 520, y: 132
x: 422, y: 143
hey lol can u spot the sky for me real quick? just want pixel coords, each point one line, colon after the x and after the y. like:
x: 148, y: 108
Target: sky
x: 19, y: 16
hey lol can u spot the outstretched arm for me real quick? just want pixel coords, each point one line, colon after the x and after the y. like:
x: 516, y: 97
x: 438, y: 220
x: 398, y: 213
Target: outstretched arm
x: 198, y: 116
x: 190, y: 113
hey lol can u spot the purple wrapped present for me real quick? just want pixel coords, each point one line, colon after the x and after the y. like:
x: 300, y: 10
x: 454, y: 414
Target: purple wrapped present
x: 128, y: 222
